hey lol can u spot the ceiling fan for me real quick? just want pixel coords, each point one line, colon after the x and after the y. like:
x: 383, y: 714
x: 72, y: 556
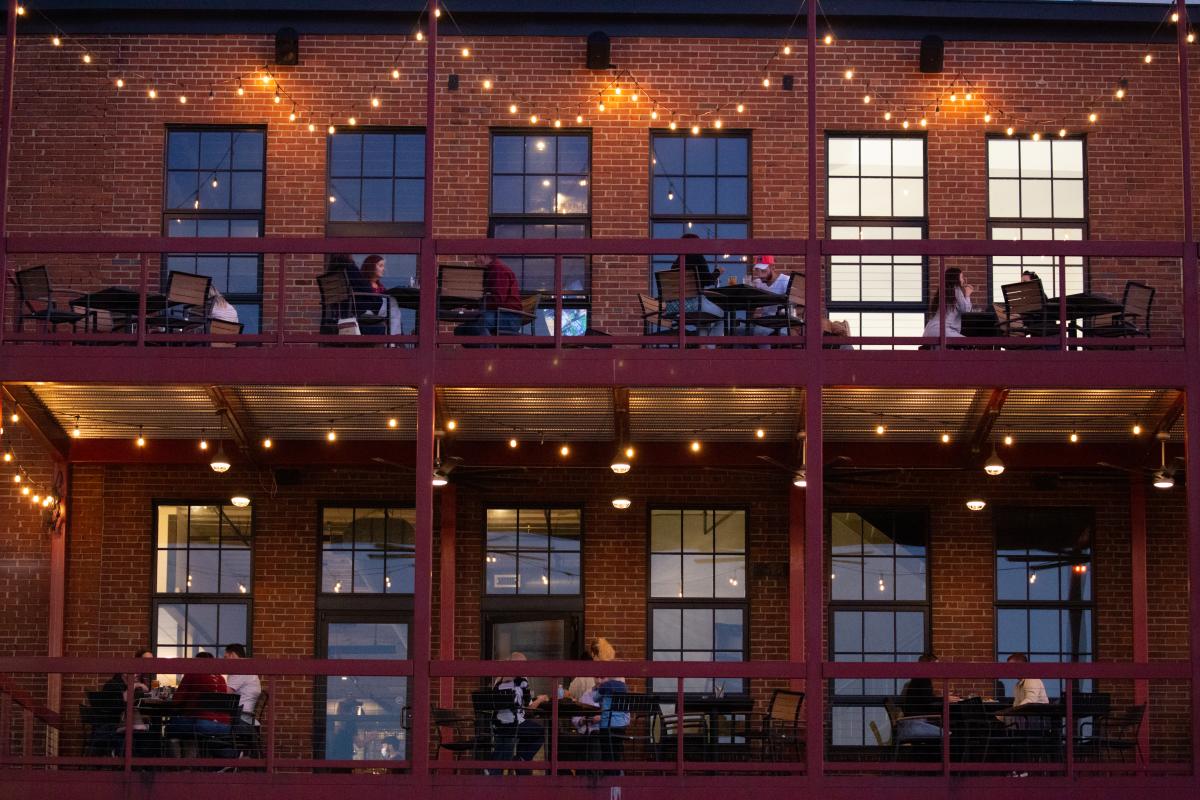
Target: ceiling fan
x: 1162, y: 476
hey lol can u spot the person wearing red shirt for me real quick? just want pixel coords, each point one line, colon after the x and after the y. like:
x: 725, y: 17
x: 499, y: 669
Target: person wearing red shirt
x: 501, y: 301
x: 193, y: 718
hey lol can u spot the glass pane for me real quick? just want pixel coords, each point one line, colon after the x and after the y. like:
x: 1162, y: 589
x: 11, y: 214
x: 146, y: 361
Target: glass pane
x: 215, y: 150
x: 1068, y: 158
x: 231, y: 625
x: 847, y: 631
x: 572, y: 196
x: 1068, y: 199
x: 400, y: 527
x: 171, y: 574
x: 215, y: 191
x: 565, y: 573
x: 565, y: 529
x: 171, y: 625
x: 697, y: 535
x: 507, y: 195
x: 243, y: 275
x: 235, y: 571
x: 400, y: 573
x: 410, y: 155
x: 668, y: 197
x: 876, y: 197
x: 667, y: 155
x: 501, y: 573
x: 368, y: 571
x: 731, y: 576
x: 539, y: 194
x: 1012, y: 578
x: 698, y: 576
x: 908, y: 158
x: 732, y: 196
x: 665, y: 531
x: 875, y: 156
x: 502, y: 527
x: 336, y: 571
x: 732, y: 155
x: 843, y: 157
x: 878, y: 632
x: 910, y: 633
x: 846, y: 578
x: 666, y: 575
x: 408, y: 201
x: 202, y: 624
x: 533, y: 573
x: 666, y: 628
x: 377, y: 154
x: 248, y: 150
x: 345, y: 155
x: 247, y: 190
x: 541, y: 153
x: 908, y: 197
x: 1003, y: 159
x: 1012, y: 631
x: 1004, y: 198
x: 845, y: 532
x: 697, y: 629
x: 343, y: 203
x: 337, y: 528
x: 843, y: 197
x: 573, y: 155
x: 183, y: 150
x: 376, y: 200
x: 534, y: 533
x: 172, y: 526
x: 701, y: 195
x: 731, y: 531
x: 508, y: 154
x: 1035, y: 159
x: 701, y: 156
x: 910, y: 579
x: 182, y: 189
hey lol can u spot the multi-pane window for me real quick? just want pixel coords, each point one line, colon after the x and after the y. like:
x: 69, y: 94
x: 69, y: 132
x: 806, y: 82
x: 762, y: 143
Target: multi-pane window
x: 214, y: 187
x: 879, y: 606
x: 533, y: 551
x: 1036, y: 191
x: 698, y: 609
x: 876, y: 190
x: 701, y: 185
x: 202, y: 578
x: 1044, y: 604
x: 541, y: 189
x: 367, y: 550
x: 376, y: 182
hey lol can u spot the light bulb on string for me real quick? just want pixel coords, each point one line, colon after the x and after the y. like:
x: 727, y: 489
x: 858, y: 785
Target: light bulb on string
x: 740, y: 108
x: 374, y: 102
x: 183, y: 99
x: 25, y: 491
x: 393, y: 422
x: 695, y: 130
x: 1092, y: 117
x: 312, y: 127
x: 278, y: 98
x: 1147, y: 58
x: 579, y: 119
x: 717, y: 124
x: 75, y: 431
x: 695, y: 446
x: 924, y: 122
x: 395, y: 74
x: 241, y: 90
x: 1191, y: 37
x: 332, y: 130
x: 672, y: 125
x: 828, y: 38
x: 849, y: 74
x: 512, y: 109
x: 331, y: 434
x: 558, y: 123
x: 141, y: 439
x: 56, y: 41
x: 904, y: 124
x: 887, y: 116
x: 353, y: 121
x: 420, y: 36
x: 87, y: 58
x: 600, y: 106
x: 266, y: 79
x: 437, y: 12
x: 1074, y: 437
x: 953, y: 97
x: 635, y: 97
x: 1137, y: 427
x: 120, y: 82
x: 20, y: 11
x: 512, y: 443
x: 533, y: 119
x: 787, y: 49
x: 1174, y: 16
x: 766, y: 83
x: 487, y: 85
x: 866, y: 99
x: 760, y: 433
x: 1035, y: 136
x: 267, y: 443
x: 987, y: 116
x: 617, y: 91
x: 466, y: 52
x: 152, y: 94
x: 1009, y: 131
x: 292, y: 116
x: 1122, y: 87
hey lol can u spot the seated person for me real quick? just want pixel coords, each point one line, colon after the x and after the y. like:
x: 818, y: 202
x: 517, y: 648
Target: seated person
x: 512, y: 730
x: 767, y: 278
x: 706, y: 277
x: 501, y: 301
x: 248, y: 688
x: 193, y: 719
x: 390, y: 749
x: 918, y: 703
x: 108, y: 735
x: 958, y: 302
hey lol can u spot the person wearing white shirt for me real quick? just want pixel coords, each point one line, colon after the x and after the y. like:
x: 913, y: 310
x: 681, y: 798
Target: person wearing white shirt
x: 1027, y: 691
x: 765, y: 277
x: 247, y: 687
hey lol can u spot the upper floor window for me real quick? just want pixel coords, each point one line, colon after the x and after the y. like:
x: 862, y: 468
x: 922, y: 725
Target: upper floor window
x: 876, y: 190
x: 1044, y: 603
x: 701, y: 185
x: 1036, y: 191
x: 367, y: 550
x: 214, y: 187
x: 202, y: 578
x: 534, y: 551
x: 541, y: 189
x: 376, y: 182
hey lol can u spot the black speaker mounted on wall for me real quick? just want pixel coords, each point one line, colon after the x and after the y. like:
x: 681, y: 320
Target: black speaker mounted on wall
x: 599, y: 50
x: 287, y: 47
x: 933, y: 53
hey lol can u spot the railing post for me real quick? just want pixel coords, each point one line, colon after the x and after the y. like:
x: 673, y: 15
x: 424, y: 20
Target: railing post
x: 554, y: 731
x: 270, y: 680
x: 1069, y: 727
x: 558, y: 304
x: 942, y: 302
x: 679, y: 727
x: 680, y: 300
x: 143, y: 287
x: 280, y: 305
x: 945, y: 727
x: 27, y: 733
x: 5, y: 724
x: 130, y: 679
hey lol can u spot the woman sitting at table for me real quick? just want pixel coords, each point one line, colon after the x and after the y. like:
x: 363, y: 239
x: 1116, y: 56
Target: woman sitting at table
x: 958, y: 302
x: 111, y: 702
x: 193, y: 718
x: 706, y: 277
x: 920, y: 705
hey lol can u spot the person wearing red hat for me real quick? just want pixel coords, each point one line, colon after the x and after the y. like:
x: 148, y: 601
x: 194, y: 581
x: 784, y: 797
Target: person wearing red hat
x: 769, y: 279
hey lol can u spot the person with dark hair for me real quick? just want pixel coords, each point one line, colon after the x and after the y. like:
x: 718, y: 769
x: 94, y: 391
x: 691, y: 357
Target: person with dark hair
x: 1029, y: 275
x: 1027, y: 690
x: 919, y: 703
x: 958, y: 302
x: 705, y: 277
x: 247, y: 687
x: 193, y: 718
x: 390, y: 749
x: 108, y: 734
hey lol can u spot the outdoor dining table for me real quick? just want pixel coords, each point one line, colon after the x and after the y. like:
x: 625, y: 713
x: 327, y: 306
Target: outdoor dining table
x: 741, y: 297
x: 1083, y: 305
x: 121, y: 303
x: 450, y: 308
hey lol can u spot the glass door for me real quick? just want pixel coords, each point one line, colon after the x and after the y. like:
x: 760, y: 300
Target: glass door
x: 541, y: 637
x: 364, y: 717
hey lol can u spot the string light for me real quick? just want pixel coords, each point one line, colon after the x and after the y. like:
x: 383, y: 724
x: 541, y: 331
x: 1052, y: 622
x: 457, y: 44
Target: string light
x: 766, y: 83
x: 904, y: 124
x: 393, y: 422
x: 266, y: 79
x: 1092, y: 117
x: 1147, y: 58
x: 1036, y: 136
x: 866, y: 98
x: 953, y: 97
x: 152, y: 94
x: 331, y: 435
x: 600, y: 106
x: 564, y: 451
x: 466, y: 52
x: 695, y: 446
x: 695, y: 130
x: 717, y: 124
x: 56, y: 41
x: 1009, y: 130
x: 241, y: 90
x: 1191, y: 37
x: 740, y: 108
x: 292, y: 116
x: 141, y: 439
x: 1122, y: 86
x: 395, y: 74
x: 20, y: 11
x: 579, y: 119
x: 672, y: 125
x: 183, y: 99
x: 451, y: 425
x: 1174, y: 16
x: 267, y: 443
x: 635, y: 97
x: 1062, y: 133
x: 75, y: 432
x: 849, y: 74
x: 512, y: 109
x: 558, y: 123
x: 787, y: 49
x: 312, y: 127
x: 120, y: 82
x: 987, y: 117
x: 1074, y: 437
x: 533, y: 119
x: 1137, y: 428
x: 87, y: 58
x: 332, y: 130
x: 760, y: 433
x: 437, y: 12
x: 353, y: 121
x: 420, y: 36
x: 617, y: 91
x: 374, y: 102
x: 828, y: 38
x: 924, y: 122
x: 945, y: 438
x: 887, y: 116
x: 487, y: 85
x: 512, y: 443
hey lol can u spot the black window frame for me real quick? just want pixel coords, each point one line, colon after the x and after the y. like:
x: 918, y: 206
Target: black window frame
x: 188, y: 598
x: 573, y: 301
x: 1090, y: 605
x: 203, y: 214
x: 714, y: 603
x: 689, y: 221
x: 922, y: 223
x: 369, y: 228
x: 520, y: 602
x: 993, y: 222
x: 925, y: 607
x: 357, y: 601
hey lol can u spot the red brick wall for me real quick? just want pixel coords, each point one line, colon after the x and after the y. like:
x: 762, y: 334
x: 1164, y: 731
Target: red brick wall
x: 87, y: 158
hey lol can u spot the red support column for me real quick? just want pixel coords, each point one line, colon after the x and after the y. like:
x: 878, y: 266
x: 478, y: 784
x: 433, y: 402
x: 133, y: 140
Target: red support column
x: 1141, y: 603
x: 796, y: 509
x: 6, y: 108
x: 447, y: 586
x: 56, y: 611
x: 814, y: 568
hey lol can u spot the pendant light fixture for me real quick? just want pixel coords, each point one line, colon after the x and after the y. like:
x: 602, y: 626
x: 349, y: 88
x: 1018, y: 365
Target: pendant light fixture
x: 994, y: 465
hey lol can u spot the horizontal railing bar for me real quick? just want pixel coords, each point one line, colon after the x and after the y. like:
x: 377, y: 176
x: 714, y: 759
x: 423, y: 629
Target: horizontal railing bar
x: 581, y: 247
x: 1098, y: 669
x: 255, y: 666
x: 617, y: 669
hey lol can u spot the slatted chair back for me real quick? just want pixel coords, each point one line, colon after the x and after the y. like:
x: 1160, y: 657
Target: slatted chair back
x: 221, y: 327
x: 260, y: 706
x: 795, y: 293
x: 1136, y: 305
x: 529, y: 305
x: 878, y: 736
x: 1023, y: 297
x: 33, y: 284
x: 785, y: 707
x: 650, y: 307
x: 461, y: 283
x: 335, y: 289
x: 668, y: 285
x: 188, y: 289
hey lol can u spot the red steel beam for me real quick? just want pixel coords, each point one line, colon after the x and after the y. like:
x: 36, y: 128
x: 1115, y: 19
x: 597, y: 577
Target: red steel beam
x: 1141, y: 601
x: 987, y: 421
x: 447, y: 586
x: 39, y: 422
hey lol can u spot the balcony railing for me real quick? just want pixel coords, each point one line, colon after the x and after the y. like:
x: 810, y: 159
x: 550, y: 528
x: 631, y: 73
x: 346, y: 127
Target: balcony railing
x: 111, y: 298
